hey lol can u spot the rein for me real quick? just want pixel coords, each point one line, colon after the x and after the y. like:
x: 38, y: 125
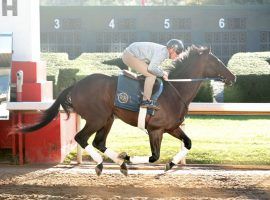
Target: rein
x: 194, y: 79
x: 178, y: 94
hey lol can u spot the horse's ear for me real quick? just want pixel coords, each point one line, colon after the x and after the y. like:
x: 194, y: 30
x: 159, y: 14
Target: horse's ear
x: 205, y: 51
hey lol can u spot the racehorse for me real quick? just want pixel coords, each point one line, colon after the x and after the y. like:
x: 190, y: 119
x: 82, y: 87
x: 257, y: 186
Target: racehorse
x: 93, y: 99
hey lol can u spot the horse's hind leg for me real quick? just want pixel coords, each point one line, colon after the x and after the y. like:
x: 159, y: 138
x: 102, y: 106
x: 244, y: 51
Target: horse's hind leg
x: 99, y: 142
x: 82, y: 138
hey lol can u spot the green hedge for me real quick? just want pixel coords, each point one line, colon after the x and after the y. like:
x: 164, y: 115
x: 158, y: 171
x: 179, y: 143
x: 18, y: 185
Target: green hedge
x: 86, y: 63
x: 253, y: 78
x: 205, y: 93
x: 249, y: 88
x: 64, y: 72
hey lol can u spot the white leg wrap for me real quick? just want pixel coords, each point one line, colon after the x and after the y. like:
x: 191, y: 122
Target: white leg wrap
x: 139, y: 159
x: 94, y: 154
x: 141, y: 118
x: 178, y: 157
x: 114, y: 156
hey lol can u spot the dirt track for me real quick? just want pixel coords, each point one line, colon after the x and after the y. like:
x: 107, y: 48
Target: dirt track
x: 80, y: 182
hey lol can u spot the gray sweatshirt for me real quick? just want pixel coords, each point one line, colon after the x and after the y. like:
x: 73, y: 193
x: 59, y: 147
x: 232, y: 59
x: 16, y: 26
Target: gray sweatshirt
x: 151, y: 53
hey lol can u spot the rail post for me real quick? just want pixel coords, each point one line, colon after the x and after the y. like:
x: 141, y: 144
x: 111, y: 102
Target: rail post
x: 183, y: 161
x: 79, y: 148
x: 19, y: 99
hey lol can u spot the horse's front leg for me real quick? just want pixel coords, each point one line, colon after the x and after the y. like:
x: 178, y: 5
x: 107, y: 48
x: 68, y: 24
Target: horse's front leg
x: 155, y: 138
x: 179, y: 134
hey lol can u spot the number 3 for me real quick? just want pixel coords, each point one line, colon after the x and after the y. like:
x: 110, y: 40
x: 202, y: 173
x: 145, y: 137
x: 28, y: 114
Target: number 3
x: 56, y: 23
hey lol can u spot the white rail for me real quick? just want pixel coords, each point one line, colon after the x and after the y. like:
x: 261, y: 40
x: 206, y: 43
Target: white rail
x: 229, y: 108
x: 194, y: 108
x: 28, y: 106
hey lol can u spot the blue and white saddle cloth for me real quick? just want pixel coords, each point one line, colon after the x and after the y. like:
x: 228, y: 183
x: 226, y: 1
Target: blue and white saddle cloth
x: 129, y: 93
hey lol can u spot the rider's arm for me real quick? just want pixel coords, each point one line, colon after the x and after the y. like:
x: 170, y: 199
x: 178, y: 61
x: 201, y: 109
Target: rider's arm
x: 154, y: 65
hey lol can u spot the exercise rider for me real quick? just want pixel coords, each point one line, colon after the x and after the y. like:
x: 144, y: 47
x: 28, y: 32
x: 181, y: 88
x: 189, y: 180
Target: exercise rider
x: 146, y: 58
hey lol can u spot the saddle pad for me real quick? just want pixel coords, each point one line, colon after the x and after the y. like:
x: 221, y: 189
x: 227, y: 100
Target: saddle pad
x: 128, y: 94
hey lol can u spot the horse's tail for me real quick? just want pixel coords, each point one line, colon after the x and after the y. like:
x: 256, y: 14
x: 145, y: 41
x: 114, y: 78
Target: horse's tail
x: 48, y: 115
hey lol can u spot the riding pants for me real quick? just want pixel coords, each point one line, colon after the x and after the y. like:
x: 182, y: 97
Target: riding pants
x: 141, y: 67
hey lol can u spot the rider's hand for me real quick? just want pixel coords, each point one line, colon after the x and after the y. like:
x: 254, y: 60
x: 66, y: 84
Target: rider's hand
x: 165, y: 75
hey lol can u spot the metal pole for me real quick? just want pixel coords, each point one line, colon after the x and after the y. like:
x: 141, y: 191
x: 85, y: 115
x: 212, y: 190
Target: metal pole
x: 183, y: 161
x: 14, y: 138
x: 19, y: 98
x: 79, y: 148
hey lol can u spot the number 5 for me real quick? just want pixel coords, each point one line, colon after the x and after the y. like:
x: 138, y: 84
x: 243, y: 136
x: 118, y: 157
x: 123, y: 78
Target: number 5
x: 167, y: 23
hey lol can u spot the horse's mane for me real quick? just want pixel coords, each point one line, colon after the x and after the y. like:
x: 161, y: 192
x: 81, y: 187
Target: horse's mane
x: 188, y: 57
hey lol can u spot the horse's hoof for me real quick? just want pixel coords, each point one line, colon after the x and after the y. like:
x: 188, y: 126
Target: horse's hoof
x: 168, y: 166
x: 123, y: 169
x: 99, y: 169
x: 122, y: 155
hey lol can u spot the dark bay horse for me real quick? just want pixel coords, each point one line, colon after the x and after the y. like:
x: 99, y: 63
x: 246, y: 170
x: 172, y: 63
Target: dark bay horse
x: 93, y: 99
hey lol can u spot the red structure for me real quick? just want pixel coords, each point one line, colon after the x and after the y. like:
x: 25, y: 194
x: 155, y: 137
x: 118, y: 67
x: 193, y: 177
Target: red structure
x: 50, y: 144
x: 35, y: 86
x: 5, y: 141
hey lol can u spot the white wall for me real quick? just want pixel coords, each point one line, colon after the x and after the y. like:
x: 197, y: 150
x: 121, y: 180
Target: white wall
x: 25, y: 27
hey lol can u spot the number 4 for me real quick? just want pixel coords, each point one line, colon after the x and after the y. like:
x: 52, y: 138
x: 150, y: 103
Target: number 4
x: 112, y: 24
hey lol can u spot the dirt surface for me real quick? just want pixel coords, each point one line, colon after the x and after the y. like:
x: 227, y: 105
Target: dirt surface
x: 143, y: 182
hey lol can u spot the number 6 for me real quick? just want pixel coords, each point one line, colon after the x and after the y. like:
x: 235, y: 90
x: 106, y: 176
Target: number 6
x: 221, y: 23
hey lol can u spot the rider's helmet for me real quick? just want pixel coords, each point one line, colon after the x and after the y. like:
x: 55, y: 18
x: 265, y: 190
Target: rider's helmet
x: 176, y: 44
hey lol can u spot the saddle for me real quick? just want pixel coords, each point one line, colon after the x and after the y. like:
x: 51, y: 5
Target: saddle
x: 129, y: 91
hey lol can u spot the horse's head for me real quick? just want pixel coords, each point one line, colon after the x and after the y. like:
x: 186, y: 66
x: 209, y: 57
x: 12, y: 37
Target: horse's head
x: 198, y: 62
x: 214, y: 67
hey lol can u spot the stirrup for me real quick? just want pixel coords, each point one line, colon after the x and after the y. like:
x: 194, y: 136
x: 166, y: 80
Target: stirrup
x: 149, y: 104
